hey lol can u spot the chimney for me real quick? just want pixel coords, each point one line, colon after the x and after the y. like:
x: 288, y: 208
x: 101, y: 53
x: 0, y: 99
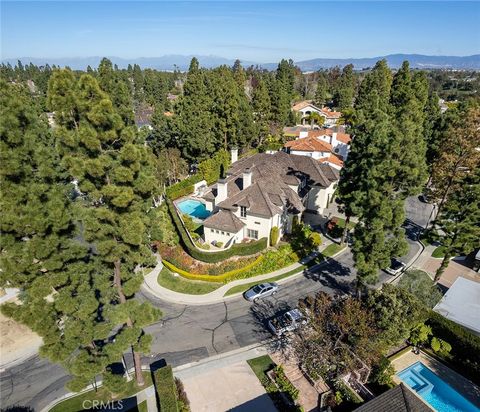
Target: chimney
x: 247, y: 178
x: 234, y: 154
x: 221, y: 191
x: 333, y: 138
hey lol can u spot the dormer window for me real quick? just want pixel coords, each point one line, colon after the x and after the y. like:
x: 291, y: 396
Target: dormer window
x: 243, y: 211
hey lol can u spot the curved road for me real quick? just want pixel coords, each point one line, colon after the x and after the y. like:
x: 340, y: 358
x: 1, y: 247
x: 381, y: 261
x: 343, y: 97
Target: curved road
x: 189, y: 333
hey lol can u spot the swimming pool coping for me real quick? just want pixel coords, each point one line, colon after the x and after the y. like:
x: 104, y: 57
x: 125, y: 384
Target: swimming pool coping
x: 462, y: 385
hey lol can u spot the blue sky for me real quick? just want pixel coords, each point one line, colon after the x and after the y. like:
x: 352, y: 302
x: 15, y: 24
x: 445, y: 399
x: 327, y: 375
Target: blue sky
x: 252, y: 31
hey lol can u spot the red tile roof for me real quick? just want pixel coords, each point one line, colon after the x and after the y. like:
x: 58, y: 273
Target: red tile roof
x: 331, y: 114
x: 344, y: 138
x: 303, y: 104
x: 309, y: 144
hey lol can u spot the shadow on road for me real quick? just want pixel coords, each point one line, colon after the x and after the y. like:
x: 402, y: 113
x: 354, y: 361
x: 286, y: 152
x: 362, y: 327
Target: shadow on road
x: 334, y: 275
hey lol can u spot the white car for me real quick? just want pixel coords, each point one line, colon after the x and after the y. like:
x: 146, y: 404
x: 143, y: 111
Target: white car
x: 260, y: 291
x: 396, y: 267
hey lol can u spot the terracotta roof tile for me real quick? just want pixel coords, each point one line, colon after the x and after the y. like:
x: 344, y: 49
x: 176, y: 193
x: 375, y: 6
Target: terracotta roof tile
x: 344, y: 138
x: 309, y: 144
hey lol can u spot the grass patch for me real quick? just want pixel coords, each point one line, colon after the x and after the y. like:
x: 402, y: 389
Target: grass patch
x: 246, y: 286
x: 439, y: 252
x: 261, y: 365
x: 76, y: 404
x: 332, y: 249
x: 142, y: 407
x: 182, y: 285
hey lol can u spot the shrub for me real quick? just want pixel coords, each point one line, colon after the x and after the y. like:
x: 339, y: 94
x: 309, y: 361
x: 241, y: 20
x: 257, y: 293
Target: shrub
x: 382, y: 372
x: 219, y: 245
x: 420, y: 334
x: 316, y: 239
x: 238, y: 249
x: 440, y: 346
x: 419, y: 284
x: 183, y: 188
x: 284, y: 385
x: 182, y: 398
x: 274, y: 232
x: 114, y: 383
x: 466, y: 345
x: 166, y: 389
x: 212, y: 278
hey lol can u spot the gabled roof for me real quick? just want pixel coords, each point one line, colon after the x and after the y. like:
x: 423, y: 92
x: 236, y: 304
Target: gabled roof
x: 344, y: 138
x: 224, y: 220
x: 303, y: 104
x: 397, y: 399
x: 332, y: 158
x: 272, y: 177
x: 330, y: 113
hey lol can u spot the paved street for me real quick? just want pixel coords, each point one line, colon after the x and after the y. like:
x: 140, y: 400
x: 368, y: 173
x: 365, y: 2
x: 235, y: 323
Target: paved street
x: 190, y: 333
x: 419, y: 212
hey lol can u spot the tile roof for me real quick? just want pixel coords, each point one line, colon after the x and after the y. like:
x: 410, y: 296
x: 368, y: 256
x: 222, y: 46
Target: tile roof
x: 320, y: 132
x: 224, y: 220
x: 398, y: 399
x: 331, y: 114
x: 344, y: 138
x: 305, y: 103
x: 309, y: 144
x: 333, y: 158
x: 272, y: 176
x: 295, y: 130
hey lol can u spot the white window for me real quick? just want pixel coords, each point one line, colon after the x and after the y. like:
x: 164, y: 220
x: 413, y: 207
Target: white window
x: 252, y: 234
x: 243, y: 211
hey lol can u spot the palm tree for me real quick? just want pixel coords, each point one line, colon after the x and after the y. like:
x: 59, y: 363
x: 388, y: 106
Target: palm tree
x: 314, y: 117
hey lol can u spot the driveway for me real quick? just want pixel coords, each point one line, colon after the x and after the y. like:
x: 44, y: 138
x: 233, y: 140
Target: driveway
x: 418, y: 212
x: 231, y: 388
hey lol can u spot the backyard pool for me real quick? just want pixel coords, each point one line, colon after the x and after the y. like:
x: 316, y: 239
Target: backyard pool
x: 193, y: 208
x: 439, y: 394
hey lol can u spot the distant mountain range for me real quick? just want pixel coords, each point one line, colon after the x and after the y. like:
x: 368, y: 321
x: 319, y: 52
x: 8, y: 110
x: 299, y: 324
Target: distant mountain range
x: 170, y: 62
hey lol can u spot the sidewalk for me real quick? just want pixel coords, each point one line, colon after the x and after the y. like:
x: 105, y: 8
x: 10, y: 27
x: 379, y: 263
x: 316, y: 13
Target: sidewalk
x: 151, y: 285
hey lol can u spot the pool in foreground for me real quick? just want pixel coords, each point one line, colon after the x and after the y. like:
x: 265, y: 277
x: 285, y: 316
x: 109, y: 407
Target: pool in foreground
x: 193, y: 208
x: 437, y: 393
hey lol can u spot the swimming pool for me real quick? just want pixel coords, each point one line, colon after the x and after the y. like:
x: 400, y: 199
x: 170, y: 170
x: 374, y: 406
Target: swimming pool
x: 193, y: 208
x: 439, y: 394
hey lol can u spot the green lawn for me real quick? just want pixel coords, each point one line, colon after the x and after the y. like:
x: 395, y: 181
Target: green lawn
x: 261, y: 365
x: 182, y: 285
x: 439, y: 252
x: 142, y: 407
x: 332, y: 249
x: 76, y: 404
x: 246, y: 286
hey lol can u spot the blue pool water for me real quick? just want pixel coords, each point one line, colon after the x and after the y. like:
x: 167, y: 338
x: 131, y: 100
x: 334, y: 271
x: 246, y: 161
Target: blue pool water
x: 434, y: 390
x: 193, y: 208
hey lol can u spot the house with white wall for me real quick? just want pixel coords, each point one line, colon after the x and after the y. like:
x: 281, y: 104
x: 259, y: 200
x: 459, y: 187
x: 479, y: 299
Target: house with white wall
x: 305, y: 108
x: 263, y: 191
x: 327, y: 145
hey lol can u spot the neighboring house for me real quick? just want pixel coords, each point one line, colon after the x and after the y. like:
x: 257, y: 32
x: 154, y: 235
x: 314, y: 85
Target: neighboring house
x: 398, y: 399
x: 305, y: 108
x: 263, y: 191
x: 461, y: 304
x: 325, y: 145
x: 143, y: 117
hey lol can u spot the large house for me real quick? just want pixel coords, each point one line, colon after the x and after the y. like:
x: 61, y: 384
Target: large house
x: 263, y: 191
x: 305, y: 108
x: 325, y: 145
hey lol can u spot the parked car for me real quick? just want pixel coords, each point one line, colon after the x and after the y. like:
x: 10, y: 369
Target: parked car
x: 260, y: 291
x: 287, y: 322
x: 396, y: 267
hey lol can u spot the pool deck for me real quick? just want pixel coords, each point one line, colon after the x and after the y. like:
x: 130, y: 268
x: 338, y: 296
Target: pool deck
x: 462, y: 385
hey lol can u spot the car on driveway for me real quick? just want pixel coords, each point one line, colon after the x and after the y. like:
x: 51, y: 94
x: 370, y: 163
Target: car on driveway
x: 396, y: 267
x: 260, y: 291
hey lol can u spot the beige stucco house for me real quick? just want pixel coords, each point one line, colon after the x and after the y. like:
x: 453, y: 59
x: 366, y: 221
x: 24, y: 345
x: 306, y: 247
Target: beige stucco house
x: 305, y: 108
x: 263, y: 191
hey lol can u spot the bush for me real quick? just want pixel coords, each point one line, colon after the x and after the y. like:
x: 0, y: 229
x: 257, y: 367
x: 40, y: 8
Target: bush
x: 182, y: 398
x: 382, y: 372
x: 238, y: 249
x: 166, y: 389
x: 183, y: 188
x: 440, y: 346
x: 114, y: 383
x: 284, y: 385
x: 213, y: 278
x: 274, y: 232
x: 419, y: 284
x: 219, y: 245
x: 466, y: 346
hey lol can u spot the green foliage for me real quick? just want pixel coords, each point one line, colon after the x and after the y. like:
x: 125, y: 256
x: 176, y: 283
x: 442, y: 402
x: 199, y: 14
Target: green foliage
x: 181, y: 285
x: 440, y: 346
x: 166, y: 389
x: 465, y: 351
x: 345, y: 90
x: 420, y: 334
x: 284, y: 384
x: 347, y: 395
x: 238, y: 249
x: 162, y: 228
x: 382, y: 372
x: 396, y: 312
x: 114, y: 383
x: 183, y: 188
x: 420, y: 285
x: 182, y: 398
x: 274, y: 232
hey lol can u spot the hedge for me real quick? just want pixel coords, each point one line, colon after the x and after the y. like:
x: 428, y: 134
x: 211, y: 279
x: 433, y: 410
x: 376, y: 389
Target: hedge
x: 183, y: 188
x: 238, y: 249
x: 166, y: 389
x: 465, y: 344
x: 212, y: 278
